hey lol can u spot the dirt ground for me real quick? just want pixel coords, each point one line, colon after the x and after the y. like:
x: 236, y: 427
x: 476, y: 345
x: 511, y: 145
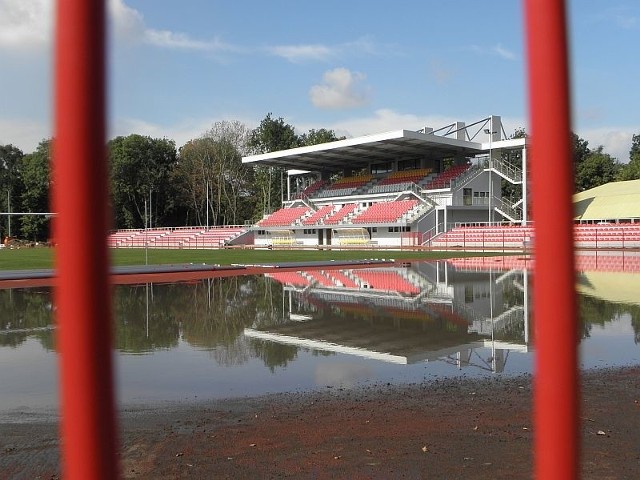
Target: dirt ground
x: 445, y: 429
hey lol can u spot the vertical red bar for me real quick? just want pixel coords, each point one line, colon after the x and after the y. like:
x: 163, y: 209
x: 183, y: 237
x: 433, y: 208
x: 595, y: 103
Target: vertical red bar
x: 83, y: 309
x: 556, y: 378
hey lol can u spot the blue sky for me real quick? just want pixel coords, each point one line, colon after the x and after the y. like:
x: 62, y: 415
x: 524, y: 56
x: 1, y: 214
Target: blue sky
x: 358, y: 67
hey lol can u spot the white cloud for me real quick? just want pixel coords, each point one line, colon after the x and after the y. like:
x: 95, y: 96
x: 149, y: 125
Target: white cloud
x: 129, y: 24
x: 29, y: 24
x: 504, y: 53
x: 299, y: 53
x: 341, y: 89
x: 496, y: 50
x: 382, y: 120
x: 620, y: 16
x: 385, y: 119
x: 180, y: 132
x: 616, y: 141
x: 168, y: 39
x: 126, y: 22
x: 25, y: 23
x: 24, y: 134
x: 320, y: 52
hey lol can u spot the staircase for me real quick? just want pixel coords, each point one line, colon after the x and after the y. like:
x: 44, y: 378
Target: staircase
x: 508, y: 211
x: 506, y: 170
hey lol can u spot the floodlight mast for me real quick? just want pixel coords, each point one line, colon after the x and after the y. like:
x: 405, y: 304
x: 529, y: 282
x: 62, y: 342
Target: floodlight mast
x: 490, y: 132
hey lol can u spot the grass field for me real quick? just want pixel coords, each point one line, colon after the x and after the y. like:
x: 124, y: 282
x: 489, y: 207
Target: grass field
x: 32, y: 258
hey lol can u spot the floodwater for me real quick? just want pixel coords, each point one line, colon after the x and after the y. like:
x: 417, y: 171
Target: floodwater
x: 295, y: 331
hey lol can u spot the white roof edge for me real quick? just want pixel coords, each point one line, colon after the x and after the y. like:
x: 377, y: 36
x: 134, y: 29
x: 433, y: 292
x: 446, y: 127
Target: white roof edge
x: 349, y: 142
x: 324, y: 146
x: 508, y: 143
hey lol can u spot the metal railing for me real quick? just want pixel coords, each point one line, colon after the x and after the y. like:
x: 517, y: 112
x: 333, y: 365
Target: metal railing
x: 507, y: 170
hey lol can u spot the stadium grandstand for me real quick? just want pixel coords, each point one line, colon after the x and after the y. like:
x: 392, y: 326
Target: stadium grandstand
x: 439, y: 189
x: 395, y: 189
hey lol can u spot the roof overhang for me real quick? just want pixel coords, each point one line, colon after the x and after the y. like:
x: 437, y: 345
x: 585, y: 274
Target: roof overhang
x: 359, y: 152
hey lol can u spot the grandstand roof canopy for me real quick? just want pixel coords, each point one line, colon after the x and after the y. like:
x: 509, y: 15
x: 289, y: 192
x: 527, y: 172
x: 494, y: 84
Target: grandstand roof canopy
x: 612, y: 201
x: 359, y: 152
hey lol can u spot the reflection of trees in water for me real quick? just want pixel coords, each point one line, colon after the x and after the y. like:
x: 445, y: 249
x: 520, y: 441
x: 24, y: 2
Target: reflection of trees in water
x: 12, y: 339
x: 269, y: 311
x: 513, y: 331
x: 222, y: 307
x: 269, y: 303
x: 134, y: 332
x: 634, y: 312
x: 214, y: 312
x: 236, y: 353
x: 595, y: 311
x: 273, y: 354
x: 26, y: 309
x: 207, y: 314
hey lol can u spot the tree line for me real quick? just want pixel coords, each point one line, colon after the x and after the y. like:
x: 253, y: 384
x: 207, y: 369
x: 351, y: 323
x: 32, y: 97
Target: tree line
x: 153, y: 183
x: 203, y: 182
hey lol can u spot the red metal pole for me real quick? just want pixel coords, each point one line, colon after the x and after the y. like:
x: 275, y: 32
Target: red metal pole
x: 83, y: 306
x: 556, y: 379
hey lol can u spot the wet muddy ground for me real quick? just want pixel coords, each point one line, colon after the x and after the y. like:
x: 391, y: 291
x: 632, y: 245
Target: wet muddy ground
x: 443, y: 429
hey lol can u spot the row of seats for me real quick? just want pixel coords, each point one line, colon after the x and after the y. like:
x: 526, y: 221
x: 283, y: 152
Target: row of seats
x: 341, y: 214
x: 444, y: 179
x: 383, y: 212
x: 583, y: 263
x: 585, y: 236
x: 406, y: 176
x: 355, y: 181
x: 319, y: 215
x: 284, y: 216
x: 608, y: 263
x: 497, y: 236
x: 384, y: 280
x: 392, y: 187
x: 336, y: 192
x: 394, y: 182
x: 313, y: 188
x: 191, y: 237
x: 506, y: 263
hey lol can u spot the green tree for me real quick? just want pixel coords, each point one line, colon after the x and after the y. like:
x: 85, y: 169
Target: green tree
x: 580, y: 149
x: 10, y: 186
x: 315, y: 137
x: 210, y: 169
x: 596, y: 169
x: 270, y: 136
x: 191, y: 177
x: 631, y: 171
x: 635, y: 146
x: 35, y: 173
x: 140, y: 170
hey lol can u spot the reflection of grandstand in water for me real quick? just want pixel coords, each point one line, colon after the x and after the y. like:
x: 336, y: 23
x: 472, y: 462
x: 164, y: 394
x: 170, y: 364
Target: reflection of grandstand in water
x: 418, y: 312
